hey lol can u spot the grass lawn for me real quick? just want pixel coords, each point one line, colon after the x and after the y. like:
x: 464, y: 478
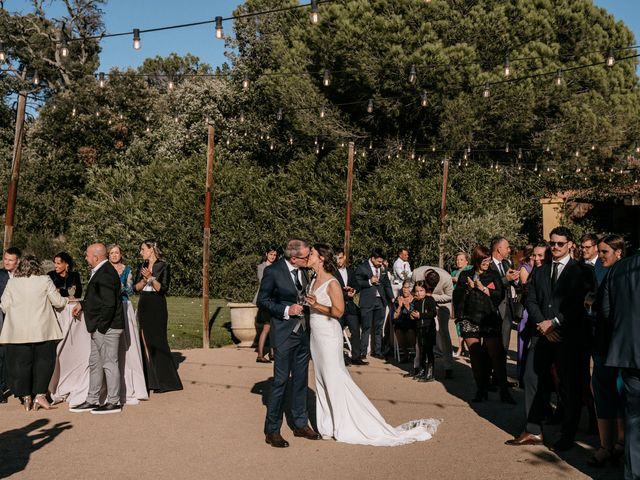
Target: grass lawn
x: 185, y: 322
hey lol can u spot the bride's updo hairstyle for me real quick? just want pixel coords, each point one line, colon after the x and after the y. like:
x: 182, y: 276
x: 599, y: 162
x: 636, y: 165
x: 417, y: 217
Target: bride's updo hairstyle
x: 329, y: 256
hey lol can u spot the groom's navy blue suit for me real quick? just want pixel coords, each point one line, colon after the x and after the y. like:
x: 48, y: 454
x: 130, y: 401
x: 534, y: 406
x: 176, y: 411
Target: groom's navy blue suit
x: 291, y: 349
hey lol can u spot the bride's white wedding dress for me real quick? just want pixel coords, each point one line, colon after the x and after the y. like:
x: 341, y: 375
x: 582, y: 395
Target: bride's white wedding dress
x: 343, y: 411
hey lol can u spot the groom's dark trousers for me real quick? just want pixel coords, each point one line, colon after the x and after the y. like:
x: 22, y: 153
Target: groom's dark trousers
x: 291, y: 348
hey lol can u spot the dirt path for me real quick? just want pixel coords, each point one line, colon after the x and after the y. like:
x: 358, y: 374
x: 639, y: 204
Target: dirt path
x: 213, y: 429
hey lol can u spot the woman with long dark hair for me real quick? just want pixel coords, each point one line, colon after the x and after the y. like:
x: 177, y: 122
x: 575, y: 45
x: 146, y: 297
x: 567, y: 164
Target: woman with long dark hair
x: 64, y: 277
x: 152, y: 282
x: 264, y: 318
x: 477, y: 297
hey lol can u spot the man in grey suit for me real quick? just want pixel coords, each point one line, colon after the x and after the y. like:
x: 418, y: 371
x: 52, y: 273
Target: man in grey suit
x: 621, y: 310
x: 10, y: 261
x: 500, y: 252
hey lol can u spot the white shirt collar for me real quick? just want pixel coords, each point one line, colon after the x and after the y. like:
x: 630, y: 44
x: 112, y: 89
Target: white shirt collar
x: 592, y: 261
x: 10, y: 273
x: 97, y: 267
x: 564, y: 260
x: 290, y: 267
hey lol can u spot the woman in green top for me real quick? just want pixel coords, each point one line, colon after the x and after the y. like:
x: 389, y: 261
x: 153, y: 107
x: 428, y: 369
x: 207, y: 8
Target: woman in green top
x: 462, y: 264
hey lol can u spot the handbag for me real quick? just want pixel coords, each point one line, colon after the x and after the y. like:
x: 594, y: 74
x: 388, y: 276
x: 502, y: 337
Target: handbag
x: 477, y: 307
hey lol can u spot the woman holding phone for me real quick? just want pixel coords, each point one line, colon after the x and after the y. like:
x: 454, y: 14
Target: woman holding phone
x: 152, y: 282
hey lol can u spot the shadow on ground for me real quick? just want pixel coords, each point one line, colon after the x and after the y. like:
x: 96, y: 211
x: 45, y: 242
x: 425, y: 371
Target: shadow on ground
x: 16, y: 446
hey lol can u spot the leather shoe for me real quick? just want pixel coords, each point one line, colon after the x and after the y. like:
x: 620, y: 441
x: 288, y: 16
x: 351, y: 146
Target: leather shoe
x: 359, y: 361
x: 563, y: 445
x: 306, y: 432
x: 526, y: 438
x: 276, y: 440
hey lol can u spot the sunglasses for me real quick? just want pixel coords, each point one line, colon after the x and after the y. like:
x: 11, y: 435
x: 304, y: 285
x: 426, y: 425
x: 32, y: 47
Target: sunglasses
x: 559, y: 244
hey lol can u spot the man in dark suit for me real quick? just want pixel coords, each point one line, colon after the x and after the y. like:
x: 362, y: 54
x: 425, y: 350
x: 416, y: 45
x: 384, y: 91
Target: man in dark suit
x: 555, y: 302
x: 104, y: 318
x: 10, y: 261
x: 351, y: 318
x: 281, y: 290
x: 621, y: 310
x: 375, y: 295
x: 589, y: 251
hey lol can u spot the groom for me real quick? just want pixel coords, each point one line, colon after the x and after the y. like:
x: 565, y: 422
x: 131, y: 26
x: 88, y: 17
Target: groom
x: 279, y: 290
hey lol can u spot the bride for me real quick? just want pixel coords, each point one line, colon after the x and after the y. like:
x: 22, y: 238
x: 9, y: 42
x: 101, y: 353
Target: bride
x: 343, y: 411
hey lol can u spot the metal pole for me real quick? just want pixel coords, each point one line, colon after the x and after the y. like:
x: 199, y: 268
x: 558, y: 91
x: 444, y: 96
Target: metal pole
x: 443, y: 211
x: 347, y: 220
x: 207, y: 238
x: 12, y: 194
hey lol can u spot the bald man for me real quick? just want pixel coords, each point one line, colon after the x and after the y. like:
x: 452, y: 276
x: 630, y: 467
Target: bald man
x: 104, y: 318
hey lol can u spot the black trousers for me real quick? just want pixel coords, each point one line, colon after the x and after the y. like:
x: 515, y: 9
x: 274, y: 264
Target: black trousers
x: 352, y: 320
x: 427, y: 340
x: 30, y: 366
x: 566, y: 355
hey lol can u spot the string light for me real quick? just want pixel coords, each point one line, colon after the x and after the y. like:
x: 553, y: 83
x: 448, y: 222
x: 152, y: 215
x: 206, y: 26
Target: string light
x: 170, y: 85
x: 370, y: 106
x: 219, y: 30
x: 315, y: 14
x: 424, y: 101
x: 558, y: 79
x: 242, y: 118
x: 506, y: 148
x: 507, y: 67
x: 279, y: 114
x: 136, y: 39
x: 101, y: 81
x: 520, y: 154
x: 246, y: 82
x: 64, y: 49
x: 36, y: 78
x: 412, y: 74
x: 322, y: 112
x: 486, y: 93
x: 73, y: 112
x: 611, y: 59
x: 326, y: 79
x: 3, y: 53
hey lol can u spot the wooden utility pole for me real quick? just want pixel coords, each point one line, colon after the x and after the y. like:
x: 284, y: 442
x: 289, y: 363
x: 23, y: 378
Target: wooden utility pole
x: 347, y: 220
x: 206, y: 243
x: 12, y: 194
x: 443, y: 211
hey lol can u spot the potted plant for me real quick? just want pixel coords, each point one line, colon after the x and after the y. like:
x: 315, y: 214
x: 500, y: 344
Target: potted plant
x: 243, y: 311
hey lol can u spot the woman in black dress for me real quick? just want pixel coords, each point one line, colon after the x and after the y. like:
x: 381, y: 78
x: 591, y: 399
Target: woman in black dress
x: 476, y: 301
x: 64, y: 277
x: 152, y: 282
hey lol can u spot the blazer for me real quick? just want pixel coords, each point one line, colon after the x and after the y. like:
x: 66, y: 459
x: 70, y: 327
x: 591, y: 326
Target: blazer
x: 29, y: 316
x: 64, y: 283
x: 161, y: 271
x: 565, y: 301
x: 4, y: 278
x: 598, y: 269
x: 277, y: 292
x: 102, y: 305
x: 368, y: 291
x: 621, y: 309
x: 350, y: 307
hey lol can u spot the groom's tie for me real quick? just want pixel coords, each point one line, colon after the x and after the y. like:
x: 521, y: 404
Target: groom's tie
x: 296, y: 281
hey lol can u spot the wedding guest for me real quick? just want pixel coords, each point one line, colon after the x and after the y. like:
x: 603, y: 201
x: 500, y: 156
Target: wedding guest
x: 64, y: 277
x: 589, y: 252
x: 500, y: 253
x: 604, y: 380
x: 424, y: 314
x: 620, y: 310
x: 462, y: 264
x: 351, y: 317
x: 403, y: 325
x: 10, y: 260
x: 30, y: 332
x: 132, y: 386
x: 264, y: 318
x: 401, y: 270
x: 104, y: 318
x: 152, y: 283
x: 476, y: 304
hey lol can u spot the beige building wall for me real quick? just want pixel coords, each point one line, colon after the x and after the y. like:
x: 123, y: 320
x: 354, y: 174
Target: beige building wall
x: 551, y: 214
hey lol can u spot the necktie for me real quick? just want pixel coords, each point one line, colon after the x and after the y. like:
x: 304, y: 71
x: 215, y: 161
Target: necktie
x: 554, y: 274
x: 501, y: 269
x: 296, y: 280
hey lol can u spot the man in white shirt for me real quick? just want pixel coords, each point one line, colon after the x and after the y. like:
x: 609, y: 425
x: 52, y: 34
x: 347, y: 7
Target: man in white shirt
x: 401, y: 270
x: 10, y: 261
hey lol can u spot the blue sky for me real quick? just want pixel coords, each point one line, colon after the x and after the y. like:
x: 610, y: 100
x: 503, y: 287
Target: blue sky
x: 124, y: 15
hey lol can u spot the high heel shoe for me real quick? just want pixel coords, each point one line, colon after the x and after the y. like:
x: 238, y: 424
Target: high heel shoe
x: 42, y: 402
x: 27, y: 402
x: 505, y: 397
x: 481, y: 395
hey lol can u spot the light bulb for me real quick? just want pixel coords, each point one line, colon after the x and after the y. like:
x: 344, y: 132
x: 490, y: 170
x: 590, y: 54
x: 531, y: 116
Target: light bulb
x: 73, y: 112
x: 136, y: 39
x: 242, y: 117
x: 326, y: 79
x: 315, y: 15
x: 507, y: 66
x: 219, y: 30
x: 64, y: 49
x: 412, y: 74
x: 506, y: 148
x: 611, y: 59
x: 170, y: 85
x: 101, y: 81
x: 424, y: 100
x: 486, y: 93
x: 370, y: 106
x: 290, y: 140
x: 322, y: 112
x: 520, y: 153
x: 558, y: 79
x: 36, y: 78
x: 246, y: 82
x: 3, y: 54
x: 279, y: 114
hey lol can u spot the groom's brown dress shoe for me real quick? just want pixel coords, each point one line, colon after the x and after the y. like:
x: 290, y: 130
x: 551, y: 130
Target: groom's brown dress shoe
x: 276, y: 440
x: 526, y: 438
x: 306, y: 432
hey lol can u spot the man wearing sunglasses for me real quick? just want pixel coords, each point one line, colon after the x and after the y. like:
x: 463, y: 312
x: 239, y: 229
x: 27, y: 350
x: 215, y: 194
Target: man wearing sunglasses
x: 555, y: 303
